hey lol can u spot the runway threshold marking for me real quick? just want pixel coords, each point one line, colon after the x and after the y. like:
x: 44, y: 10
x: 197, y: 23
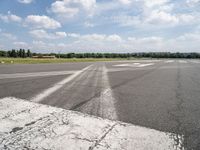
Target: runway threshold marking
x: 57, y: 86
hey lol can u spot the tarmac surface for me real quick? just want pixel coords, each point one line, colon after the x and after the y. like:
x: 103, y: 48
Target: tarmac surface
x: 159, y: 94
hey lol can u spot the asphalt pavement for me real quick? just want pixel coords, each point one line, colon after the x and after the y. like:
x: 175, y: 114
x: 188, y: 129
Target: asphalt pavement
x: 157, y: 94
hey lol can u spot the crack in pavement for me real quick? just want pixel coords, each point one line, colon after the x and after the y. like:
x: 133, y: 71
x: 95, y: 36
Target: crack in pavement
x: 97, y: 142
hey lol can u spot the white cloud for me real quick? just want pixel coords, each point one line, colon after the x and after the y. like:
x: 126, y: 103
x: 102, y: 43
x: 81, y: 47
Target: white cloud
x: 153, y: 3
x: 100, y: 38
x: 73, y: 35
x: 25, y: 1
x: 70, y: 8
x: 151, y: 13
x: 42, y: 34
x: 38, y: 43
x: 61, y: 9
x: 145, y: 40
x: 8, y: 36
x: 125, y: 2
x: 20, y: 44
x: 89, y: 25
x: 93, y: 37
x: 46, y: 22
x: 114, y: 38
x: 61, y: 34
x: 193, y: 3
x: 185, y: 18
x: 109, y: 43
x: 125, y: 20
x: 41, y: 46
x: 155, y: 18
x: 189, y: 37
x: 161, y: 17
x: 9, y: 17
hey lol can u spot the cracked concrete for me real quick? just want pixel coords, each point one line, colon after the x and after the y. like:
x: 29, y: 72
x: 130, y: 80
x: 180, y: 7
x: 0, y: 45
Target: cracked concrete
x: 27, y: 125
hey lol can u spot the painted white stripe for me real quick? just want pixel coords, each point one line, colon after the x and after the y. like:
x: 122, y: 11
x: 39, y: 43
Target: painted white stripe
x: 107, y: 100
x: 182, y: 61
x: 195, y: 61
x: 104, y: 104
x: 134, y: 65
x: 34, y: 74
x: 57, y: 86
x: 138, y: 61
x: 169, y: 61
x: 145, y: 65
x: 122, y: 65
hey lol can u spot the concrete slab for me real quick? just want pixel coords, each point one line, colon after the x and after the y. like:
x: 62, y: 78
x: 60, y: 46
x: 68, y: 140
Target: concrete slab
x: 27, y: 125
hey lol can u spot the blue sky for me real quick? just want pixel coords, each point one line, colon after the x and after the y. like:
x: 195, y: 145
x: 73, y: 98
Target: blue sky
x: 100, y: 25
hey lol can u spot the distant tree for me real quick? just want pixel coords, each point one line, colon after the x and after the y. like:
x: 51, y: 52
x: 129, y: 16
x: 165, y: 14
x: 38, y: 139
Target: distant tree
x: 20, y: 53
x: 3, y: 54
x: 13, y: 53
x: 23, y: 53
x: 29, y: 54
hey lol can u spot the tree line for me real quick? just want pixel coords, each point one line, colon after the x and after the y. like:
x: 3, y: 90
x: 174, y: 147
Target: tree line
x: 22, y: 53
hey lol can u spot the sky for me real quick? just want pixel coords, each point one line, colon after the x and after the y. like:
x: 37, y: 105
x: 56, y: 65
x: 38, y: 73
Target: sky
x: 116, y: 26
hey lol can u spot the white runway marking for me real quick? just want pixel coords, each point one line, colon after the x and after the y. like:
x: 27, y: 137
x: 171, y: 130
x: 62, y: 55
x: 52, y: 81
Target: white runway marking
x: 122, y: 65
x: 182, y: 61
x: 104, y: 103
x: 57, y: 86
x: 107, y: 100
x: 195, y: 61
x: 169, y: 61
x: 138, y: 61
x: 34, y: 74
x: 145, y: 65
x: 139, y: 65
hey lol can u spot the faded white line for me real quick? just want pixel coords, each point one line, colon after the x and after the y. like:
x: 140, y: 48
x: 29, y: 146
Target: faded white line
x: 195, y: 61
x: 139, y: 65
x: 138, y: 61
x: 182, y: 61
x: 57, y: 86
x: 107, y: 100
x: 122, y: 65
x: 35, y: 74
x: 145, y: 65
x: 169, y: 61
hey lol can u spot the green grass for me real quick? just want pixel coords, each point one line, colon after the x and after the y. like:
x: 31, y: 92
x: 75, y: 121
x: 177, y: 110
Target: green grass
x: 38, y: 61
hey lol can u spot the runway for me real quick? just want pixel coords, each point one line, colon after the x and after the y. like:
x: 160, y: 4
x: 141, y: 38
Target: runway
x: 158, y: 94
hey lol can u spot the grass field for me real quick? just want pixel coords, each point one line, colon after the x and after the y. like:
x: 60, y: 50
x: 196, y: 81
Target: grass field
x: 38, y: 61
